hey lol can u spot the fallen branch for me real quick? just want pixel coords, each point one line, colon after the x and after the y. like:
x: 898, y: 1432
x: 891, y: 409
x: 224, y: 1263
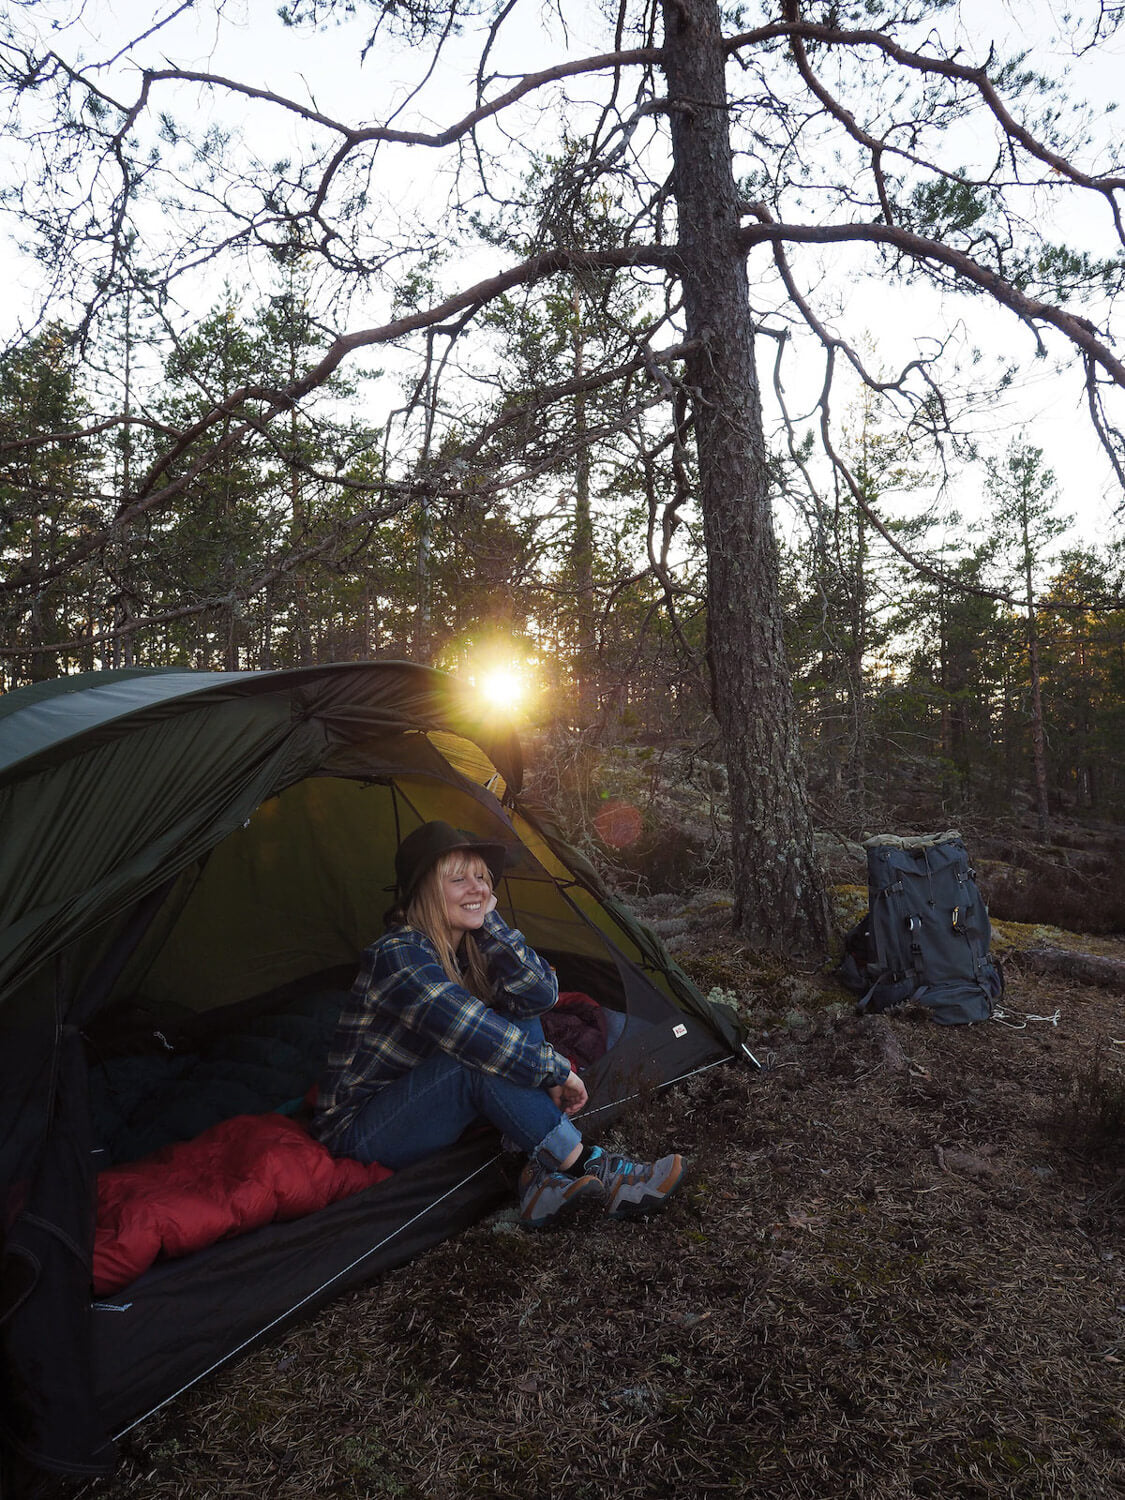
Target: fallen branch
x: 1086, y: 968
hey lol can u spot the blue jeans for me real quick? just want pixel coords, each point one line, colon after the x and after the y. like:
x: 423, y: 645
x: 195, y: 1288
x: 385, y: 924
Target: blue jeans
x: 431, y: 1106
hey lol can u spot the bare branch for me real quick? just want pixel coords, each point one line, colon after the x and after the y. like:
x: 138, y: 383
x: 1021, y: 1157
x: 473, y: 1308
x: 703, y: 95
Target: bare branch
x: 1080, y: 331
x: 941, y: 67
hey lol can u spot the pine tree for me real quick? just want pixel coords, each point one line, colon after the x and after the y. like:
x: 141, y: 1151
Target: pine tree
x: 1024, y: 523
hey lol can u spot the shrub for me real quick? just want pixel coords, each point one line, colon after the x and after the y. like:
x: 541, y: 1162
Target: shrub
x: 1093, y: 1111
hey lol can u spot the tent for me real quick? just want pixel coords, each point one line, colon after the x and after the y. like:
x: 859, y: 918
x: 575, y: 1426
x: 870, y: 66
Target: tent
x: 188, y: 855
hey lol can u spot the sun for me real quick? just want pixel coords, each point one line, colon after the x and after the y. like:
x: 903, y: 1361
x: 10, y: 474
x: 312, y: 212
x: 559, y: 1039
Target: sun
x: 503, y: 687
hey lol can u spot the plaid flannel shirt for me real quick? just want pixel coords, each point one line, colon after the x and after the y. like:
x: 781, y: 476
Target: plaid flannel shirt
x: 404, y: 1008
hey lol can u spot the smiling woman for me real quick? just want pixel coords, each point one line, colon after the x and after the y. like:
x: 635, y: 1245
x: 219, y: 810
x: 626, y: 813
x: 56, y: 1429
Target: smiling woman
x: 467, y: 891
x: 444, y: 1031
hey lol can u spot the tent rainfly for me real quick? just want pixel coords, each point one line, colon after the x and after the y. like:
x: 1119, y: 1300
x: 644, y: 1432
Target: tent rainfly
x: 196, y: 859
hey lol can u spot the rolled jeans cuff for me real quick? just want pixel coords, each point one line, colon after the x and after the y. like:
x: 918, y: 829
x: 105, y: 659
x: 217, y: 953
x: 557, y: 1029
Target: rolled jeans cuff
x: 556, y: 1146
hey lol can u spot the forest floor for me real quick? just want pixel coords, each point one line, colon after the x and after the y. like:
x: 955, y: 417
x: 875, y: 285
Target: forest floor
x: 895, y: 1270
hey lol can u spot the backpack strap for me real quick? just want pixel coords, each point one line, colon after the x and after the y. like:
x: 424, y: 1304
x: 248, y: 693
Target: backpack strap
x: 887, y: 991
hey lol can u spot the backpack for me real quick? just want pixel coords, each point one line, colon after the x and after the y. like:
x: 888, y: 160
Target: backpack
x: 926, y: 935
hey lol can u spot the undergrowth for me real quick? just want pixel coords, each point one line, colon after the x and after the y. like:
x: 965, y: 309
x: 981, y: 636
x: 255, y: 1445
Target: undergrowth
x: 1093, y: 1109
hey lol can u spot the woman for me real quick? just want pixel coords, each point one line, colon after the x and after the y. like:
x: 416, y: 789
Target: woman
x: 443, y: 1030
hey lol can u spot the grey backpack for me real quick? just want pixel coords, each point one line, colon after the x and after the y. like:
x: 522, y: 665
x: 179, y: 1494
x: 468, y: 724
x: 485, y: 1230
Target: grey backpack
x: 927, y: 934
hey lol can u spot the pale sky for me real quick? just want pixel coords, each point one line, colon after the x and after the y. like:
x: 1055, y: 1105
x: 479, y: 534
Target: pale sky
x: 1048, y: 407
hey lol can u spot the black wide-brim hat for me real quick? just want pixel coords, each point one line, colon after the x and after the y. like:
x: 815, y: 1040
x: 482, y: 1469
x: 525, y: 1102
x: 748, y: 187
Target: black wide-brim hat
x: 421, y: 848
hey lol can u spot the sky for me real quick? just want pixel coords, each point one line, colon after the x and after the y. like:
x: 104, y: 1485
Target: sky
x: 1044, y: 407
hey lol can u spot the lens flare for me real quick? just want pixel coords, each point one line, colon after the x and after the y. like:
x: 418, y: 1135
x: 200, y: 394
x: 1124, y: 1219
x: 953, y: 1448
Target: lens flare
x: 503, y: 688
x: 619, y: 824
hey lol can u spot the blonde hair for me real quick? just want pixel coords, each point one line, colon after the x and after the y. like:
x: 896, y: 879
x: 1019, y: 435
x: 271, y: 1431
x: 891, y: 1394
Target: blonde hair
x: 426, y: 911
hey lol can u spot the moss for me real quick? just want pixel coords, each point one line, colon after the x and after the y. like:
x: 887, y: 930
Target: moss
x: 253, y: 1414
x: 166, y: 1450
x: 1001, y: 1452
x: 1017, y: 935
x: 520, y: 1467
x: 849, y: 902
x: 365, y: 1458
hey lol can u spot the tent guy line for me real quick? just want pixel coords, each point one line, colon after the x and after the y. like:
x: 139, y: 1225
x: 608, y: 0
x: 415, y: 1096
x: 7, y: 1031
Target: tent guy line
x: 281, y: 1318
x: 305, y: 1300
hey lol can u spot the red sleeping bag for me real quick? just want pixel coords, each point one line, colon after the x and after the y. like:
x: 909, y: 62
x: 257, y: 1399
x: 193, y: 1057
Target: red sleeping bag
x: 240, y: 1174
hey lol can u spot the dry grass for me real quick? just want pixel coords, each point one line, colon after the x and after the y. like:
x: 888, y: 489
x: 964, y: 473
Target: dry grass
x: 893, y: 1274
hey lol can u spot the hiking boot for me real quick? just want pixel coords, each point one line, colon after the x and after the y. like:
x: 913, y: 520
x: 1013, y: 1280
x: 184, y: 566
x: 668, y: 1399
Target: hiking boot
x: 550, y: 1198
x: 633, y: 1188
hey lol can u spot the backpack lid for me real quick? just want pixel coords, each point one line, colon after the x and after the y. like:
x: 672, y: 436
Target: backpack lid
x: 915, y: 841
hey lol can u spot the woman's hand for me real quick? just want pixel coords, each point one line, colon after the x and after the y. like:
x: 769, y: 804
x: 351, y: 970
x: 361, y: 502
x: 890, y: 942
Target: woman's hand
x: 570, y: 1096
x: 490, y: 904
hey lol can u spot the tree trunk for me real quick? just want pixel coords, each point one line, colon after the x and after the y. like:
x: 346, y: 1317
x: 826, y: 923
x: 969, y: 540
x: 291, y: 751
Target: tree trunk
x: 298, y: 537
x: 122, y: 652
x: 582, y: 540
x: 1038, y: 734
x: 780, y: 902
x: 421, y: 638
x: 1086, y: 783
x: 856, y: 678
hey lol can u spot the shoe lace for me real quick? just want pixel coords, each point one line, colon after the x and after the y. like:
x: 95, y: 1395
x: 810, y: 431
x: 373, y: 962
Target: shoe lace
x: 624, y: 1166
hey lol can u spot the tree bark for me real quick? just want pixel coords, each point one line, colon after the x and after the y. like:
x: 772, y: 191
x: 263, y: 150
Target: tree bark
x: 1038, y: 733
x: 856, y: 689
x: 779, y: 895
x: 582, y: 539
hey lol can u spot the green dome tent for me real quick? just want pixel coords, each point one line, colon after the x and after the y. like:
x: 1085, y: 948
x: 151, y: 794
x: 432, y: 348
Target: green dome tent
x: 186, y: 854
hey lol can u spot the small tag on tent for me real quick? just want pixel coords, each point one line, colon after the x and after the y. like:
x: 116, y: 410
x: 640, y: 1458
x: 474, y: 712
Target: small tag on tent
x: 679, y: 1030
